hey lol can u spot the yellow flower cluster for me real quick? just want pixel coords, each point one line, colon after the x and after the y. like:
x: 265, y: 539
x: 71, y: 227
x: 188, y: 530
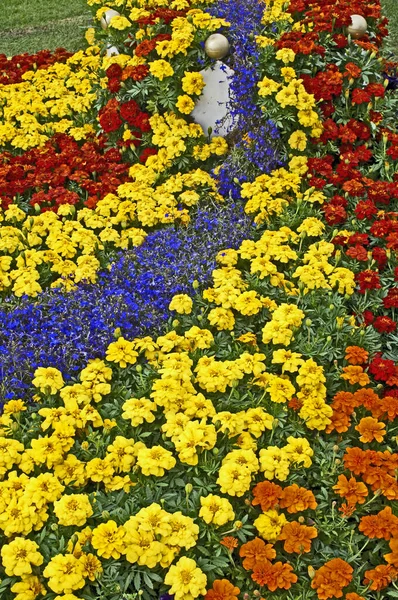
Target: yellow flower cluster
x: 317, y: 272
x: 55, y: 100
x: 172, y: 134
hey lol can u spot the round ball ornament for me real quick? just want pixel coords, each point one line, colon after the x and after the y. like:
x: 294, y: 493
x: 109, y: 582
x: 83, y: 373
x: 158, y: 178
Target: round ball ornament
x: 217, y: 46
x: 358, y: 27
x: 107, y: 16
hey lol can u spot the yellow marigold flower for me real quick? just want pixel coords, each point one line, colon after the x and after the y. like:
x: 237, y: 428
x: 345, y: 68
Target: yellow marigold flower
x: 344, y: 279
x: 73, y: 509
x: 161, y: 69
x: 29, y: 588
x: 155, y: 461
x: 268, y: 86
x: 287, y: 97
x: 288, y: 74
x: 185, y: 104
x: 119, y: 22
x: 48, y: 379
x: 216, y: 510
x: 19, y: 555
x: 186, y: 580
x: 299, y: 451
x: 233, y: 479
x: 274, y: 462
x: 91, y: 566
x: 192, y: 83
x: 290, y: 361
x: 108, y: 540
x: 298, y: 141
x: 248, y: 303
x: 122, y: 352
x: 286, y: 55
x: 269, y: 525
x: 64, y: 574
x: 139, y: 410
x: 122, y: 453
x: 13, y: 407
x: 222, y: 318
x: 182, y: 304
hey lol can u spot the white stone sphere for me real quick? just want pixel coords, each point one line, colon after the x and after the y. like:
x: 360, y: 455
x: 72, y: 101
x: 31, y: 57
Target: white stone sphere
x: 112, y: 51
x: 358, y: 27
x: 217, y: 46
x: 107, y: 16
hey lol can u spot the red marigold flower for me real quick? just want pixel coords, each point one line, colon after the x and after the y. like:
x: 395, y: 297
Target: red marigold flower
x: 382, y: 369
x: 368, y: 280
x: 331, y: 578
x: 376, y: 89
x: 360, y: 96
x: 222, y: 589
x: 358, y: 252
x: 384, y: 324
x: 256, y: 551
x: 352, y: 70
x: 380, y: 256
x: 335, y: 214
x: 365, y: 209
x: 391, y: 300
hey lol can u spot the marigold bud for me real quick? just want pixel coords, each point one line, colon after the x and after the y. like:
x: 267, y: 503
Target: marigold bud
x: 105, y: 514
x: 195, y: 284
x: 138, y: 368
x: 175, y: 323
x: 188, y: 488
x: 85, y: 445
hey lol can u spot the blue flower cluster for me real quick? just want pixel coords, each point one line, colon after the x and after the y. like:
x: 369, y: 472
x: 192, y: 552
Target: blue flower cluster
x: 258, y: 152
x: 65, y: 330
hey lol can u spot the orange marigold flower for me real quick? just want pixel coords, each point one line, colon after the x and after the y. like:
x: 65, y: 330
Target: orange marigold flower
x: 347, y: 509
x: 352, y: 71
x: 356, y: 460
x: 222, y: 590
x: 256, y: 551
x: 355, y: 375
x: 356, y: 355
x: 267, y: 495
x: 295, y: 404
x: 371, y: 429
x: 344, y: 402
x: 383, y: 525
x: 369, y: 399
x: 352, y: 490
x: 354, y: 596
x: 339, y: 422
x: 392, y: 558
x: 296, y: 499
x: 229, y: 542
x: 389, y: 407
x: 330, y: 579
x: 277, y: 576
x: 297, y: 537
x: 380, y: 577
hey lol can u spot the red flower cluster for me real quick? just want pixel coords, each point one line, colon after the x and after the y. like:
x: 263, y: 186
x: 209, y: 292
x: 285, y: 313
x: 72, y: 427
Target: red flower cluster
x: 12, y: 69
x: 48, y: 176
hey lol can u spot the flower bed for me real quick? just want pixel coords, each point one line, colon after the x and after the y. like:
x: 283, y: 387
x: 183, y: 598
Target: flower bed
x: 247, y: 449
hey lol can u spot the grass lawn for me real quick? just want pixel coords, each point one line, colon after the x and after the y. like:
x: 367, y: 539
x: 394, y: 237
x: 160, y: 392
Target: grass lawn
x: 32, y: 25
x: 390, y: 8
